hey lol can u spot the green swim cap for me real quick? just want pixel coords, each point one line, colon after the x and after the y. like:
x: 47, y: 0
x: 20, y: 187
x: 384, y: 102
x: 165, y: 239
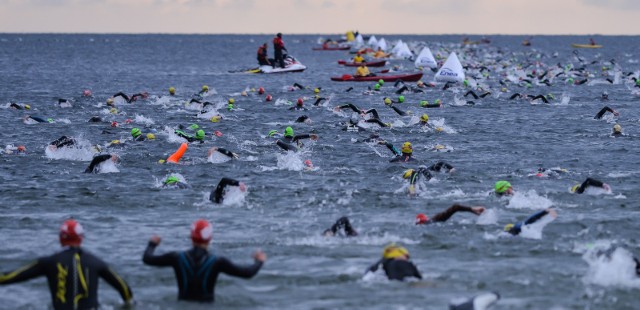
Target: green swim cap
x: 230, y: 106
x: 200, y: 134
x: 377, y: 86
x: 288, y: 132
x: 194, y: 126
x: 381, y: 81
x: 135, y: 132
x: 570, y: 80
x: 272, y: 133
x: 401, y: 99
x: 50, y: 120
x: 550, y: 96
x: 171, y: 180
x: 466, y: 82
x: 424, y: 103
x: 502, y: 186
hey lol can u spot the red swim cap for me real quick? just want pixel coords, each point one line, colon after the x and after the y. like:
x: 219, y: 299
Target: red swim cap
x: 71, y: 233
x: 421, y: 219
x: 308, y: 163
x: 217, y: 133
x: 260, y: 90
x: 114, y: 124
x: 269, y: 98
x: 86, y: 93
x: 201, y: 231
x: 300, y: 101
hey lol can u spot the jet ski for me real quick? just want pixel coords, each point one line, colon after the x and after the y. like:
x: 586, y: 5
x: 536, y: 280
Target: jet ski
x: 290, y: 65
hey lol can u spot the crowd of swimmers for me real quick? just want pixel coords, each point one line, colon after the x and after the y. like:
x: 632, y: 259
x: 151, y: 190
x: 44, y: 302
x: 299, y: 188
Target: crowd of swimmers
x: 196, y: 269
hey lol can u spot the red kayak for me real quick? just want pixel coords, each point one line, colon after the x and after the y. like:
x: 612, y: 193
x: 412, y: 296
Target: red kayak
x: 407, y: 77
x: 374, y: 63
x: 334, y: 48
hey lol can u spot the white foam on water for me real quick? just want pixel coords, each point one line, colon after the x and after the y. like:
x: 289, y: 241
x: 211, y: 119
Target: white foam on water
x: 529, y: 200
x: 614, y: 270
x: 217, y: 157
x: 488, y: 217
x: 290, y: 161
x: 107, y: 166
x: 140, y: 119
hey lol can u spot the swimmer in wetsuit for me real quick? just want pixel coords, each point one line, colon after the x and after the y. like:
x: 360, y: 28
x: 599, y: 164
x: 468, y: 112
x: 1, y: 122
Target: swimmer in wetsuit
x: 61, y: 142
x: 446, y: 214
x: 197, y: 269
x: 299, y: 106
x: 475, y: 96
x: 405, y: 155
x: 198, y: 137
x: 414, y: 175
x: 396, y: 264
x: 503, y: 188
x: 516, y: 229
x: 174, y: 182
x: 341, y: 223
x: 286, y: 143
x: 605, y: 110
x: 589, y: 182
x: 133, y: 98
x: 94, y: 166
x: 217, y: 194
x: 72, y: 274
x: 222, y: 151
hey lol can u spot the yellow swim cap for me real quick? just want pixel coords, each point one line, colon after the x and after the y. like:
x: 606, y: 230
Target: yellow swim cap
x: 113, y: 111
x: 109, y: 101
x: 151, y: 136
x: 172, y: 90
x: 617, y: 128
x: 232, y: 101
x: 424, y: 118
x: 316, y: 91
x: 115, y: 141
x: 508, y: 227
x: 161, y: 161
x: 394, y: 251
x: 575, y: 188
x: 205, y: 88
x: 407, y: 173
x: 439, y: 129
x: 440, y: 147
x: 28, y: 107
x: 407, y: 148
x: 387, y: 101
x: 215, y: 119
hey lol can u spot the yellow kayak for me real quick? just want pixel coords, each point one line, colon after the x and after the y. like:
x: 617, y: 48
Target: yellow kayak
x: 574, y: 45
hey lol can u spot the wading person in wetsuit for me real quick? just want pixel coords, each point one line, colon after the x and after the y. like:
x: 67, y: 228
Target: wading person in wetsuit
x: 72, y: 274
x: 197, y: 270
x: 396, y: 264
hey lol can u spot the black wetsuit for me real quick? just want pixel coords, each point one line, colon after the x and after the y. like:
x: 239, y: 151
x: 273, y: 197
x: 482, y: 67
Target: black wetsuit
x: 319, y: 101
x: 123, y: 95
x: 441, y: 165
x: 72, y: 275
x: 400, y: 157
x: 179, y: 185
x: 415, y: 176
x: 302, y: 119
x: 217, y: 195
x: 63, y: 141
x: 225, y: 152
x: 298, y: 108
x: 186, y: 136
x: 589, y: 182
x: 341, y: 223
x: 446, y: 214
x: 95, y: 119
x: 517, y: 228
x: 603, y: 111
x: 286, y: 143
x: 93, y: 166
x: 197, y: 271
x: 350, y: 106
x: 397, y: 269
x: 472, y: 93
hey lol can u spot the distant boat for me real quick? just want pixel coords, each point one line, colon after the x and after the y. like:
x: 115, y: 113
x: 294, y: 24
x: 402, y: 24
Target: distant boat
x: 575, y: 45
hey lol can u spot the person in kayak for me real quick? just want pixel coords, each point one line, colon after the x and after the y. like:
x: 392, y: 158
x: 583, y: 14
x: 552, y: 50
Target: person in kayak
x: 516, y: 229
x: 72, y: 274
x: 363, y: 71
x: 197, y: 269
x: 405, y: 155
x: 217, y: 194
x: 380, y: 53
x: 605, y: 110
x: 94, y: 166
x: 358, y: 59
x: 422, y: 219
x: 589, y: 182
x: 278, y: 47
x: 396, y: 264
x: 341, y: 223
x: 262, y: 56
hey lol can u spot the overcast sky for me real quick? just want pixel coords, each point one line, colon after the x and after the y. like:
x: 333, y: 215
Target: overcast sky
x: 322, y: 16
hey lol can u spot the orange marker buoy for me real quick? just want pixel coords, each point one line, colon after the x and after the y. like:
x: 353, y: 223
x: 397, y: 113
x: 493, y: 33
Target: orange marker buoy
x: 175, y: 157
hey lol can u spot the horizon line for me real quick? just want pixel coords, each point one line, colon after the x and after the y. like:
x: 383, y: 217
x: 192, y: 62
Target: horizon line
x: 294, y: 34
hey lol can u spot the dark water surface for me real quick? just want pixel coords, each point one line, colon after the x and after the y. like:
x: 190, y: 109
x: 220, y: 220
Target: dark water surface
x: 286, y: 208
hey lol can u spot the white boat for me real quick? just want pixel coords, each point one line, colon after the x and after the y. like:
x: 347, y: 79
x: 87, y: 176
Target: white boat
x: 290, y: 65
